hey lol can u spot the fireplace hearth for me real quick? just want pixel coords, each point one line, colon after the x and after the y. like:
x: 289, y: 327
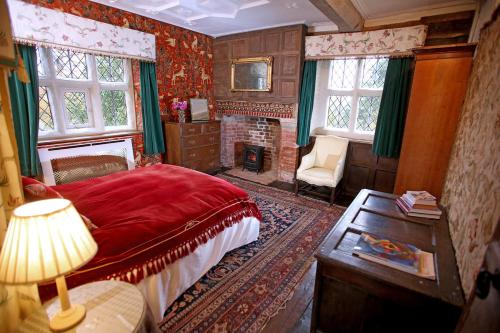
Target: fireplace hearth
x: 253, y: 158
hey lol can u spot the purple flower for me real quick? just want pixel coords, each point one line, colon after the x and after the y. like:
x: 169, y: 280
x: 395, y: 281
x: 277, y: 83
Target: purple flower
x: 179, y: 106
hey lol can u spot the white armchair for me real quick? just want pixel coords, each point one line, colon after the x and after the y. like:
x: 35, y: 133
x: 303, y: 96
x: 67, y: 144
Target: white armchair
x: 324, y: 165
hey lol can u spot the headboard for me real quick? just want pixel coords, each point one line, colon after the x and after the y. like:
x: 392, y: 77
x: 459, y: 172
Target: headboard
x: 72, y: 162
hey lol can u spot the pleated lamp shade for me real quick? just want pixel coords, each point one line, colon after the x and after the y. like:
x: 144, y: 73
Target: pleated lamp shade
x: 45, y: 239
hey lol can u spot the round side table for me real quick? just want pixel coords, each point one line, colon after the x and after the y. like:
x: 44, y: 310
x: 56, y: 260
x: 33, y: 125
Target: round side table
x: 112, y: 306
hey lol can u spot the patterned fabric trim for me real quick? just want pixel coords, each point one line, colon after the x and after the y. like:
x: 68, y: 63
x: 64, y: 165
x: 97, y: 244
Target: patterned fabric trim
x: 33, y: 24
x: 258, y: 109
x: 399, y: 41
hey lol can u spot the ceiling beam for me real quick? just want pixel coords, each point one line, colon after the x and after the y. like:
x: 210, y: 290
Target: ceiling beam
x: 342, y: 13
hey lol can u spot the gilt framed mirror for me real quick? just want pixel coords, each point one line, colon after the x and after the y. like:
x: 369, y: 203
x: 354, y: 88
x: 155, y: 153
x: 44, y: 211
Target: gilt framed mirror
x: 251, y: 74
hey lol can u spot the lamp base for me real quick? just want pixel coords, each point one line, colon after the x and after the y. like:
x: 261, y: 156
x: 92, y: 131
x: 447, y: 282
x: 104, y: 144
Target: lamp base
x: 64, y: 320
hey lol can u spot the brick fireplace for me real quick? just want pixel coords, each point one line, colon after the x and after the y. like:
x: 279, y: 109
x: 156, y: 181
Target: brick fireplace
x: 276, y: 135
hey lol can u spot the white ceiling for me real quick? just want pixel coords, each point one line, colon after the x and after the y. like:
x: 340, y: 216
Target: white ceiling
x: 224, y: 17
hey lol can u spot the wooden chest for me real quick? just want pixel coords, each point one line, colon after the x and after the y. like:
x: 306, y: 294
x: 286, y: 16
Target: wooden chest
x: 356, y: 295
x: 193, y: 145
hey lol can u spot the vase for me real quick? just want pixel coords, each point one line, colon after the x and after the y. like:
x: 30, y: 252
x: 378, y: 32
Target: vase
x: 182, y: 116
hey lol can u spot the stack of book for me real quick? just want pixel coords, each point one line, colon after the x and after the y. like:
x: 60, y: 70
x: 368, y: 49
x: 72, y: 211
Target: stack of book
x: 419, y: 204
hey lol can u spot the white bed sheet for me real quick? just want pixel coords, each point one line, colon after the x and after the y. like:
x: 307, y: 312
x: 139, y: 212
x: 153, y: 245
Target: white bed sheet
x: 162, y: 289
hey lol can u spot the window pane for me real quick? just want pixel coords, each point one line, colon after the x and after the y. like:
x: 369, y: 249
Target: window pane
x: 70, y: 64
x: 339, y: 110
x: 45, y: 120
x: 41, y: 71
x: 114, y: 107
x: 343, y: 74
x: 368, y: 107
x: 76, y: 109
x: 109, y: 69
x: 374, y: 73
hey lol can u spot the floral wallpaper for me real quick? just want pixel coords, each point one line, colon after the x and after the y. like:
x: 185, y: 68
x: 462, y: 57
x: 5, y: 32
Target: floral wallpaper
x: 472, y: 189
x: 184, y: 59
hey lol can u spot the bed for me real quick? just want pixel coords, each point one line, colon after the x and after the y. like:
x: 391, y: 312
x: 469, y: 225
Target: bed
x: 160, y: 227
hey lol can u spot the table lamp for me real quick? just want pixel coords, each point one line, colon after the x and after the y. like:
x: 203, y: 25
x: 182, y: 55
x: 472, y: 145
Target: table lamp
x: 45, y: 240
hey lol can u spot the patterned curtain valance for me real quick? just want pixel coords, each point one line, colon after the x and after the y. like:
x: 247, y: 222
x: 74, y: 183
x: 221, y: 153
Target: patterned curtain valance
x: 397, y: 41
x: 37, y: 25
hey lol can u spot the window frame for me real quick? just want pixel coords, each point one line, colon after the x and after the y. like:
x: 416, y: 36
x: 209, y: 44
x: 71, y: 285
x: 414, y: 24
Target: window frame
x: 57, y: 87
x: 322, y: 100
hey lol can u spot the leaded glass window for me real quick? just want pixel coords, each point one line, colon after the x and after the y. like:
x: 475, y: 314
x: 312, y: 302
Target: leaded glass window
x: 339, y: 110
x: 354, y: 94
x: 114, y: 107
x: 83, y: 93
x: 46, y: 120
x: 75, y: 103
x: 373, y: 75
x: 70, y: 64
x: 109, y: 69
x: 366, y: 119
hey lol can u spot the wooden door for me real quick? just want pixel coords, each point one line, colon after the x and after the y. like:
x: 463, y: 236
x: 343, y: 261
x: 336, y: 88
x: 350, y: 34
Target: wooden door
x: 483, y: 315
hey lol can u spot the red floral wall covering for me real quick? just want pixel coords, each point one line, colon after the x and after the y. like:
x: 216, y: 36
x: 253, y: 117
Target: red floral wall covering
x: 184, y: 65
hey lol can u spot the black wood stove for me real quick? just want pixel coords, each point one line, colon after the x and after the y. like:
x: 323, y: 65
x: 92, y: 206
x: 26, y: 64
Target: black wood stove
x: 253, y: 158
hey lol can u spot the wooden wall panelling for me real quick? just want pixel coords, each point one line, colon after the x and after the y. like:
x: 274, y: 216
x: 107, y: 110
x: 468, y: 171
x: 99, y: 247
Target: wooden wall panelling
x: 363, y: 169
x: 438, y: 90
x: 284, y: 44
x: 292, y: 40
x: 273, y: 42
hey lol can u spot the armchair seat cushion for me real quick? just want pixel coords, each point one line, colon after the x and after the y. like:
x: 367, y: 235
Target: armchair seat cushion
x: 317, y: 176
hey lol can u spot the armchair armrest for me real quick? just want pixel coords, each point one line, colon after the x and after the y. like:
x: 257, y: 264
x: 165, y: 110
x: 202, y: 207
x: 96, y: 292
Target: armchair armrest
x: 307, y: 161
x: 339, y: 171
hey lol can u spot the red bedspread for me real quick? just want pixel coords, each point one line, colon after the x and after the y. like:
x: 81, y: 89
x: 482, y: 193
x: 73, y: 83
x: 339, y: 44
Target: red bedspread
x: 149, y: 217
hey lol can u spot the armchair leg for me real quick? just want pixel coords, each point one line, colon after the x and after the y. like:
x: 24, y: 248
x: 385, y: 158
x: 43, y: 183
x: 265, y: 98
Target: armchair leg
x: 332, y: 196
x: 296, y: 187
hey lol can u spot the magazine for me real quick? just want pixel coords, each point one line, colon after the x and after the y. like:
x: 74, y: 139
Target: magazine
x: 402, y: 256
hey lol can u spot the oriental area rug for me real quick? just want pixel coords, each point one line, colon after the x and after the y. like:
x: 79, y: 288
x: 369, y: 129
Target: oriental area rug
x: 252, y: 284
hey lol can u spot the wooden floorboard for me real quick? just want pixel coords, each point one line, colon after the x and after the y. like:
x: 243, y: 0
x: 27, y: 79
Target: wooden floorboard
x: 304, y: 323
x: 296, y: 317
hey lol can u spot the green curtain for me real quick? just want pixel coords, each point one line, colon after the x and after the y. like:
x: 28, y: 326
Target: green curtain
x: 153, y: 135
x: 392, y: 113
x: 24, y: 100
x: 306, y: 102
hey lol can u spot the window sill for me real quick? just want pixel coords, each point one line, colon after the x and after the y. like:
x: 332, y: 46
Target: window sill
x: 352, y: 137
x: 52, y: 141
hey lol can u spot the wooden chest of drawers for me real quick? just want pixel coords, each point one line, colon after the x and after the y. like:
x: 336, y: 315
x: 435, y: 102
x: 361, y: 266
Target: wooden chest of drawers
x: 193, y: 145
